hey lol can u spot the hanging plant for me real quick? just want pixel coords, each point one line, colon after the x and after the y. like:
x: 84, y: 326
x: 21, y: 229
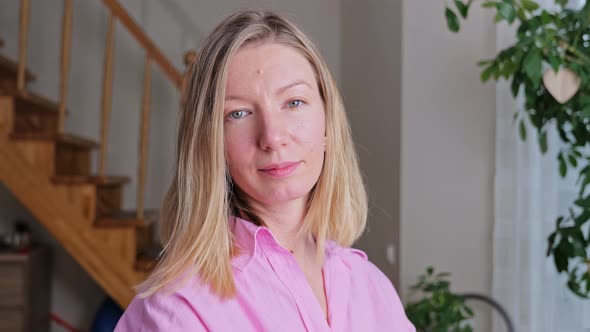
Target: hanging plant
x: 556, y: 96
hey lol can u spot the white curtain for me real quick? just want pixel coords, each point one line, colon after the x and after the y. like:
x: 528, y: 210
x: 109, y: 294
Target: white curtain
x: 528, y: 197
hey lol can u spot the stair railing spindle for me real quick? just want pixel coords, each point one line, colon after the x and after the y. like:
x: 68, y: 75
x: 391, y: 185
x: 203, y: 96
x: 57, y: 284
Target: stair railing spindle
x: 144, y: 137
x: 65, y: 62
x: 22, y: 44
x: 107, y: 92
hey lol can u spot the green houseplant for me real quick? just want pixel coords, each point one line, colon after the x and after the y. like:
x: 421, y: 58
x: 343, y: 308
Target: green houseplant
x: 560, y: 42
x: 439, y: 310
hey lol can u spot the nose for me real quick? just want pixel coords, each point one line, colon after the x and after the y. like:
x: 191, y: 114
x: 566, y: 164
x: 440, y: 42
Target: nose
x: 273, y: 135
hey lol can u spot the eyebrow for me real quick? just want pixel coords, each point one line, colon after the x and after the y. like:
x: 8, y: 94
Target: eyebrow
x: 279, y: 91
x: 289, y: 86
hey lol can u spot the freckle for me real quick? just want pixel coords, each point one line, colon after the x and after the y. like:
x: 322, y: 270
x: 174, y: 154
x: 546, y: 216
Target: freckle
x: 259, y: 72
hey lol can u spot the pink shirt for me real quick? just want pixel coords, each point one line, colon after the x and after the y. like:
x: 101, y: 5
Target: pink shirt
x: 274, y: 295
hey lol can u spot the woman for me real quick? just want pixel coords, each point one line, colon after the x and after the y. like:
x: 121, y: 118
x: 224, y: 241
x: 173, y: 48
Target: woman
x: 266, y: 200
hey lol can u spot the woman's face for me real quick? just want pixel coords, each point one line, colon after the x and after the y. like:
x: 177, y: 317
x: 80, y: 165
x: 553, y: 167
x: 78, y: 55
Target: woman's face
x: 274, y: 123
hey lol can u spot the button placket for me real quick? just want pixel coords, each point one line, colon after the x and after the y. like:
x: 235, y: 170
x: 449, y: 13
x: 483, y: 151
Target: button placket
x: 272, y: 252
x: 338, y: 283
x: 305, y: 294
x: 288, y: 271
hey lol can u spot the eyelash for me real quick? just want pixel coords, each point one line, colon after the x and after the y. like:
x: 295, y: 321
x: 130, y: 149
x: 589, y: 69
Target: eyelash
x: 230, y: 117
x: 299, y: 100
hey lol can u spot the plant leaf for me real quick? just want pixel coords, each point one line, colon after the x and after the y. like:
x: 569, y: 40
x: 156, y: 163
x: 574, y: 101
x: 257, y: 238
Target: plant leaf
x: 522, y: 130
x: 462, y: 8
x: 507, y: 12
x: 562, y: 3
x: 452, y: 20
x: 562, y: 165
x: 490, y: 4
x: 555, y: 62
x: 515, y: 85
x: 583, y: 202
x: 585, y: 113
x: 485, y: 75
x: 529, y: 5
x: 543, y: 142
x: 573, y: 161
x: 532, y: 64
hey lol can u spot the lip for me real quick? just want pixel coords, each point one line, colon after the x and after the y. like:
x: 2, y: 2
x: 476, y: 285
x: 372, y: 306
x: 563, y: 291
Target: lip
x: 281, y: 169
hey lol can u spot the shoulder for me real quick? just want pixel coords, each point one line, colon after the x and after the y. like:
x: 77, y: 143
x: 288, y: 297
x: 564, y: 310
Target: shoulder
x: 366, y: 276
x: 368, y: 284
x: 167, y: 311
x: 357, y: 262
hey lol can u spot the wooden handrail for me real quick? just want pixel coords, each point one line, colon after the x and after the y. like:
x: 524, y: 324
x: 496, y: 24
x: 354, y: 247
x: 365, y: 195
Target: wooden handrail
x: 152, y: 50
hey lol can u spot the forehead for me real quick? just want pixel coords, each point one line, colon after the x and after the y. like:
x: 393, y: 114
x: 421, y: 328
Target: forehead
x: 267, y: 65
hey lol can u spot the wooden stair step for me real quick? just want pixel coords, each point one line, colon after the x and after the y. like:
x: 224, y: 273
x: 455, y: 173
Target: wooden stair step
x: 127, y: 218
x: 145, y: 264
x: 91, y: 179
x: 72, y: 156
x: 147, y: 260
x: 32, y: 113
x: 30, y: 101
x: 109, y: 191
x: 64, y: 139
x: 9, y: 71
x: 144, y: 237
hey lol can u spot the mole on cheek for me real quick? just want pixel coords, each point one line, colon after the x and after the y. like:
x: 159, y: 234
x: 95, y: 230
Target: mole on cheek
x: 259, y: 71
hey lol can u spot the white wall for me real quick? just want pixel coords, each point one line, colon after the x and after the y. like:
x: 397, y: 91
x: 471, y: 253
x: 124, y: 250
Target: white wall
x: 447, y: 149
x: 175, y: 26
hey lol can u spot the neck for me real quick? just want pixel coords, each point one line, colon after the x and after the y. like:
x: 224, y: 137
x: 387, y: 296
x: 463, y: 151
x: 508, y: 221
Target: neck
x: 285, y: 221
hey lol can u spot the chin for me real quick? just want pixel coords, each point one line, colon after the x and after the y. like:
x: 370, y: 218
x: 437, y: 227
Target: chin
x: 281, y: 196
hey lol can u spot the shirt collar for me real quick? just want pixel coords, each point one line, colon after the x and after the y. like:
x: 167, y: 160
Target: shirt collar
x: 250, y: 238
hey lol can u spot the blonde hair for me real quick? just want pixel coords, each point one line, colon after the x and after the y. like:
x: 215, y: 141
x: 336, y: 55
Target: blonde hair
x: 194, y: 218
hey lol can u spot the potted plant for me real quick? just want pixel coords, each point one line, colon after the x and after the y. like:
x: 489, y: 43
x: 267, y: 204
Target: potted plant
x: 549, y: 63
x: 440, y: 310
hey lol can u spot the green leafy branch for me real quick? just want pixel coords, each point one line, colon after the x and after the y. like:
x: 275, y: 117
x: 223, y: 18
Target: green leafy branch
x: 558, y: 40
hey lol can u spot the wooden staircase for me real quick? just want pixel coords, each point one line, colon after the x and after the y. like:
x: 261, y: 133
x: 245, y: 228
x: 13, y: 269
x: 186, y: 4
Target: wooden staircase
x: 49, y: 171
x: 50, y: 174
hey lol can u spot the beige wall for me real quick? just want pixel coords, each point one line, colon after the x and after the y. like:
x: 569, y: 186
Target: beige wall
x: 424, y: 128
x: 447, y: 149
x: 175, y: 26
x: 371, y: 87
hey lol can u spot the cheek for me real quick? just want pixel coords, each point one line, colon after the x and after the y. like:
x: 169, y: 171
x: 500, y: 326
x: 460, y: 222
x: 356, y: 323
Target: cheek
x: 311, y: 133
x: 238, y: 146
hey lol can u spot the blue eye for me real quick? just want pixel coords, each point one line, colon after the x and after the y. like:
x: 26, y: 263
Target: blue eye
x: 295, y: 103
x: 238, y: 114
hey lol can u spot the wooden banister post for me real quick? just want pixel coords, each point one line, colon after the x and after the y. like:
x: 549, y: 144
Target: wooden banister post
x: 65, y: 62
x: 144, y: 137
x: 22, y: 44
x: 107, y: 92
x: 189, y: 58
